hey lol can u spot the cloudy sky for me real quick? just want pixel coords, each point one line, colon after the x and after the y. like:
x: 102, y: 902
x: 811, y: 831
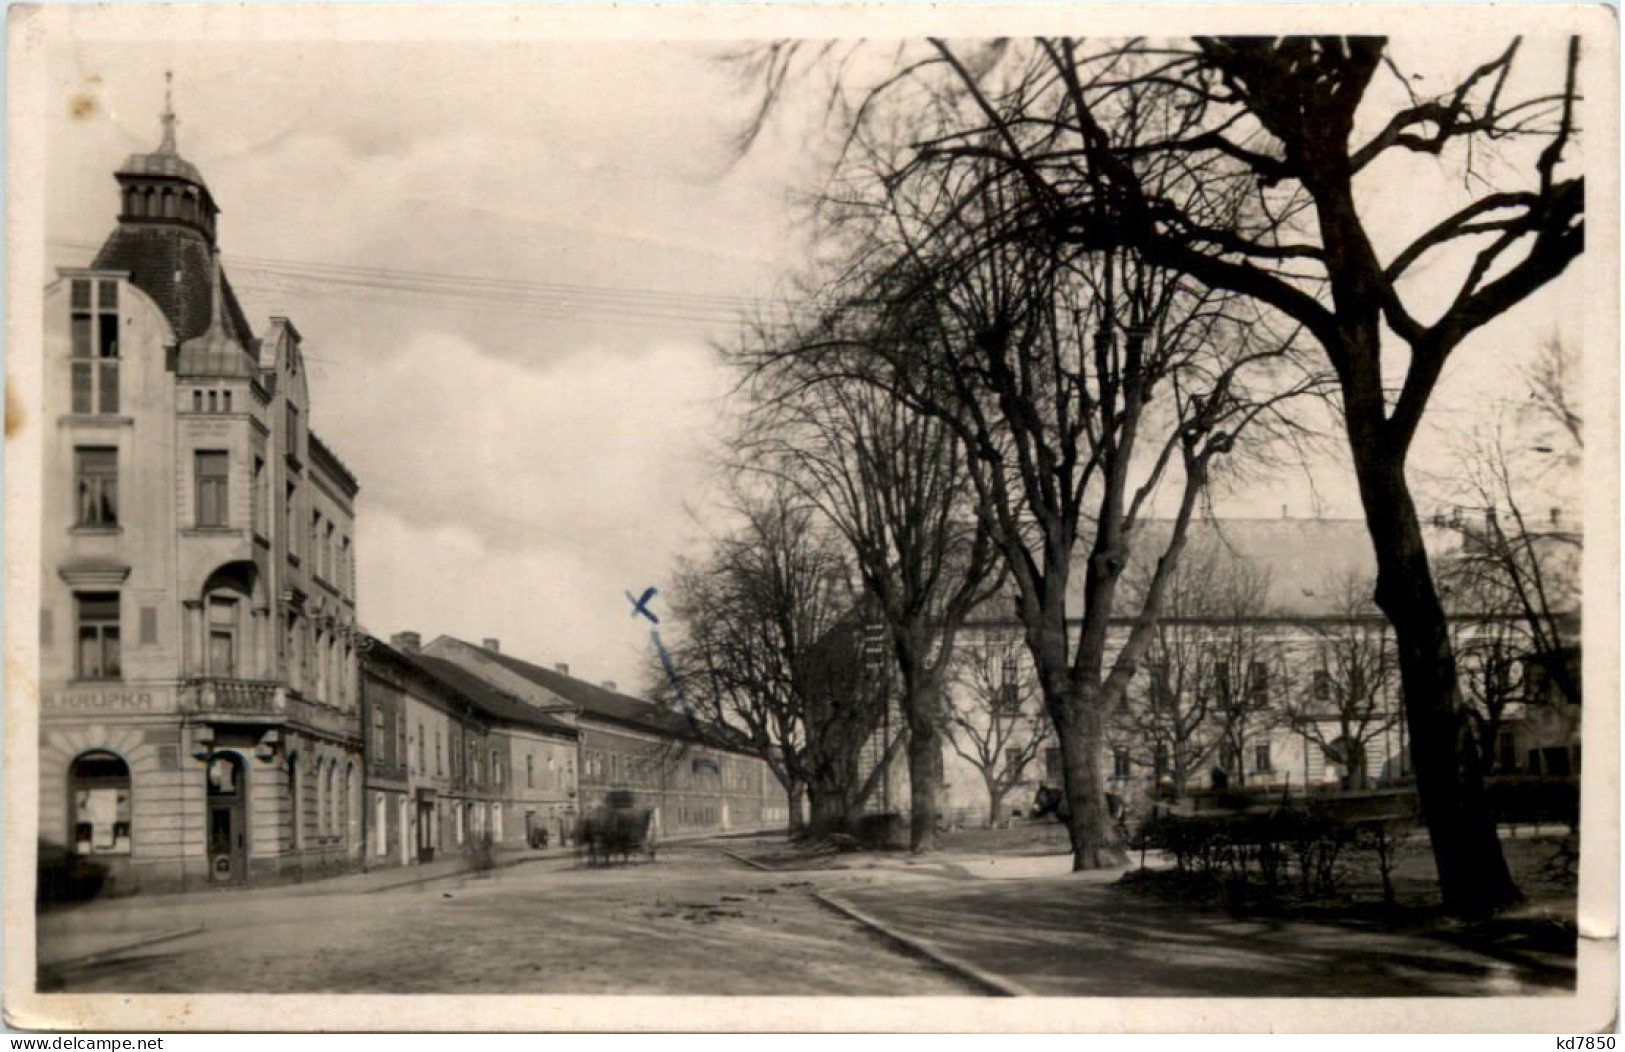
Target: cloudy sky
x: 536, y: 247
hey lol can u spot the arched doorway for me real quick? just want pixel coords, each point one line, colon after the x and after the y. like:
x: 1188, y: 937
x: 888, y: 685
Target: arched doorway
x: 226, y: 779
x: 99, y: 789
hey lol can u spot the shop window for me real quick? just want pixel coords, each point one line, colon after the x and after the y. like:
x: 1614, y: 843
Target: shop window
x: 98, y: 622
x: 95, y: 346
x: 100, y: 786
x: 96, y: 473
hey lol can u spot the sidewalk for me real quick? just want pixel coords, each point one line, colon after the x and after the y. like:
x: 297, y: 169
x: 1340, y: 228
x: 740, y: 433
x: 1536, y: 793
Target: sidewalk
x: 106, y: 927
x: 1072, y: 938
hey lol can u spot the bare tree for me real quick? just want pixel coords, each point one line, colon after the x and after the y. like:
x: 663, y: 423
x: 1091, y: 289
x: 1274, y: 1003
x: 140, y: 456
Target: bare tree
x: 1045, y: 365
x: 763, y: 634
x: 1207, y: 687
x: 998, y: 719
x: 1279, y: 127
x: 893, y: 483
x: 1344, y: 706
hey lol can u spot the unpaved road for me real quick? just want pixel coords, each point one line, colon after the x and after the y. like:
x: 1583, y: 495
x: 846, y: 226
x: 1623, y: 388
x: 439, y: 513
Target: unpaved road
x: 695, y: 922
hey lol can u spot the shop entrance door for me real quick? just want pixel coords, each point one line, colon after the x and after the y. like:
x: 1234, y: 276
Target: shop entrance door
x: 425, y: 831
x: 228, y: 820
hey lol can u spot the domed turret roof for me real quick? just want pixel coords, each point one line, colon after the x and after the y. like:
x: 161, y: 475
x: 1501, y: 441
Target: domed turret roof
x: 166, y: 160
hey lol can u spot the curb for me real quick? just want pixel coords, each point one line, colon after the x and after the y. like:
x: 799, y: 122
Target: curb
x: 115, y: 951
x: 994, y: 984
x: 751, y: 862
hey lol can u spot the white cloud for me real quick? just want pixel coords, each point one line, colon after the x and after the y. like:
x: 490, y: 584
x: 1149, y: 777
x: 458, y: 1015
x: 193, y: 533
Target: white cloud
x: 499, y: 500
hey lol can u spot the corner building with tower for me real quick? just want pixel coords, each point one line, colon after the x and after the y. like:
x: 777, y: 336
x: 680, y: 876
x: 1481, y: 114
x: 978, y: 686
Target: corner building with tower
x: 200, y: 703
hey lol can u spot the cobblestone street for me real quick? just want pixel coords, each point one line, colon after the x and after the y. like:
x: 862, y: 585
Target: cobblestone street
x: 695, y: 922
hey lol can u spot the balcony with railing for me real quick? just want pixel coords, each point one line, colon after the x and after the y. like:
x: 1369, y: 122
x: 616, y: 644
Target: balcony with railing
x: 233, y: 697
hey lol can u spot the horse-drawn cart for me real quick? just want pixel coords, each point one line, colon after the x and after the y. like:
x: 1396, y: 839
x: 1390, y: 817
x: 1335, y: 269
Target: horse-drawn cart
x: 617, y: 829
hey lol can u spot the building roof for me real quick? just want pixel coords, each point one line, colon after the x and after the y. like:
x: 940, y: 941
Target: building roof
x: 154, y: 256
x: 472, y: 691
x: 596, y: 701
x: 1305, y: 563
x: 329, y: 462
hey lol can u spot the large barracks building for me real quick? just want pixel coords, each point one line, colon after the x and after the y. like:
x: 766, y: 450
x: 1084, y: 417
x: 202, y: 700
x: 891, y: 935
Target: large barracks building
x: 211, y: 713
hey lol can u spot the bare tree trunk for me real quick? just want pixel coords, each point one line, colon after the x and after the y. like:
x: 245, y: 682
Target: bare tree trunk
x: 1093, y: 843
x: 796, y: 791
x: 1473, y: 875
x: 923, y: 706
x: 995, y: 806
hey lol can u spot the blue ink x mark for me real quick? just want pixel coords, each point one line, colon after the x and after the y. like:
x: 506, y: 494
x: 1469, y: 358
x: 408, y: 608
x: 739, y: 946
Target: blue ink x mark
x: 641, y: 606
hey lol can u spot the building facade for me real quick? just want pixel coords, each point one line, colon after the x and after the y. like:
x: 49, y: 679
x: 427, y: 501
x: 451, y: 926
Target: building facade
x: 1305, y: 672
x: 199, y: 698
x: 628, y: 745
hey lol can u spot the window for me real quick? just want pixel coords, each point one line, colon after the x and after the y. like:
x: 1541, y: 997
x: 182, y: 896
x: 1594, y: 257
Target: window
x: 290, y: 520
x: 421, y: 768
x: 260, y: 496
x: 438, y: 769
x: 1121, y: 767
x: 1258, y: 680
x: 97, y: 473
x: 530, y: 771
x: 98, y: 617
x: 1322, y: 685
x: 1052, y: 764
x: 95, y: 346
x: 313, y: 550
x: 1261, y: 757
x: 222, y: 636
x: 100, y: 784
x: 292, y: 438
x: 213, y: 473
x: 378, y: 735
x: 330, y: 567
x: 380, y: 820
x: 400, y: 739
x: 347, y: 570
x: 496, y: 768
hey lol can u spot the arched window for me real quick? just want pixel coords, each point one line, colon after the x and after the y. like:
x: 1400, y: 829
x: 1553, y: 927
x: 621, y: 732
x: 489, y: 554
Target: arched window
x: 226, y: 596
x: 99, y: 783
x: 168, y: 200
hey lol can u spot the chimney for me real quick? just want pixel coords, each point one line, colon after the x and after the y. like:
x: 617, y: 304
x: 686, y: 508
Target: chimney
x: 410, y: 642
x: 562, y: 669
x: 608, y: 685
x: 493, y: 645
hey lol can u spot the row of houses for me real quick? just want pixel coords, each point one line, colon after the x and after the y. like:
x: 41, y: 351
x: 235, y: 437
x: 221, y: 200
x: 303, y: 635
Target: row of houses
x: 210, y: 710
